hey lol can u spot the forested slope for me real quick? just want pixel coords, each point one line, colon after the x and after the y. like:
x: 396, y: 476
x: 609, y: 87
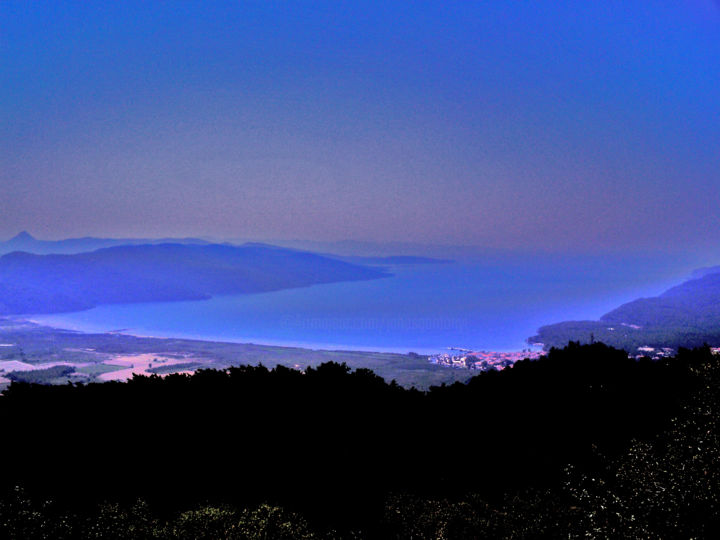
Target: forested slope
x: 687, y: 315
x: 350, y: 452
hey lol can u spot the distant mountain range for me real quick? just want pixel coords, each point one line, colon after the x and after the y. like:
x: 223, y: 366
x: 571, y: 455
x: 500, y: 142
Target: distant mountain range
x: 687, y: 315
x: 28, y: 243
x: 24, y: 241
x: 32, y: 283
x: 391, y: 260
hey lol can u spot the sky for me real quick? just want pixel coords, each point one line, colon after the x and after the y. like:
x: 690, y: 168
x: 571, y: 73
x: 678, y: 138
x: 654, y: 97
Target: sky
x: 557, y: 125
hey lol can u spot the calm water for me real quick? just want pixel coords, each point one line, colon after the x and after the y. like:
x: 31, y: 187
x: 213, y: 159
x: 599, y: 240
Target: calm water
x: 424, y: 308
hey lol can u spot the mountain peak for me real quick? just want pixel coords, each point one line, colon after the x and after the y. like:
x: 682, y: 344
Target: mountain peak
x: 24, y: 236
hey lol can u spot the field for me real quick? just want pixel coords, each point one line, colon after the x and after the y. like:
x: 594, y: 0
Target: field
x: 140, y: 364
x: 116, y: 356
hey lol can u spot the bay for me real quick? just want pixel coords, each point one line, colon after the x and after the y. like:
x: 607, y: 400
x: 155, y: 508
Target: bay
x: 480, y: 305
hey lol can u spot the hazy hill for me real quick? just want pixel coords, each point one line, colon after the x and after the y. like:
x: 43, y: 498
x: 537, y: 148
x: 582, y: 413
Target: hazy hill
x: 24, y: 241
x: 684, y: 316
x: 28, y: 243
x: 390, y: 260
x: 702, y: 272
x: 31, y: 283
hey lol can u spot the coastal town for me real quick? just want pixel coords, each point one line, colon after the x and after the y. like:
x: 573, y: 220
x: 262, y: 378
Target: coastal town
x: 482, y: 360
x: 498, y: 360
x: 655, y: 353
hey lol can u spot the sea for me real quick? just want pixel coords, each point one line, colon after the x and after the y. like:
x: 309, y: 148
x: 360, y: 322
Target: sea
x: 491, y: 304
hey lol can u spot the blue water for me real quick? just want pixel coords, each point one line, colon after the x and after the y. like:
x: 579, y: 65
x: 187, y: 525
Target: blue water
x: 490, y: 305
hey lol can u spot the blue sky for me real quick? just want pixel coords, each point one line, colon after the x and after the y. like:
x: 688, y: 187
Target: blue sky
x: 550, y: 124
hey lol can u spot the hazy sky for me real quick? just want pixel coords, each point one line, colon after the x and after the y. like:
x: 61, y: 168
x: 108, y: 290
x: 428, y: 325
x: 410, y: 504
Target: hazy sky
x: 553, y: 124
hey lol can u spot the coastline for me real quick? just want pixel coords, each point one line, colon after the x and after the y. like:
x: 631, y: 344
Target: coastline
x: 286, y: 344
x: 311, y: 346
x: 471, y: 310
x: 94, y: 353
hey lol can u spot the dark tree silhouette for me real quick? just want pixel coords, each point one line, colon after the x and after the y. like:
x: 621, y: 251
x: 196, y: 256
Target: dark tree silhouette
x: 334, y: 445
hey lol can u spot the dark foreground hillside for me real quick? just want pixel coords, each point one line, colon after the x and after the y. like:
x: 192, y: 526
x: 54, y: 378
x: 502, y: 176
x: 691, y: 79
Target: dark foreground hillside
x: 584, y: 442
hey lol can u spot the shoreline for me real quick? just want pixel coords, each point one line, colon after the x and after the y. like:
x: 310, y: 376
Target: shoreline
x: 39, y: 344
x: 313, y: 346
x: 289, y: 344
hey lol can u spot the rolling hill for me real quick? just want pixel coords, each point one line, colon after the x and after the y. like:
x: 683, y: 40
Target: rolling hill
x: 24, y: 241
x: 31, y: 283
x: 687, y: 315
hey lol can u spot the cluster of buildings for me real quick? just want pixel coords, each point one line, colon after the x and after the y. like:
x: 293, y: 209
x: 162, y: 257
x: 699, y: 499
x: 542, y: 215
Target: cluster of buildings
x: 654, y: 352
x: 482, y: 360
x: 664, y: 352
x: 488, y: 360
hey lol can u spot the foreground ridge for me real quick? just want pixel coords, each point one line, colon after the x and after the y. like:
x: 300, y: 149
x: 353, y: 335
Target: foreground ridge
x: 568, y: 443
